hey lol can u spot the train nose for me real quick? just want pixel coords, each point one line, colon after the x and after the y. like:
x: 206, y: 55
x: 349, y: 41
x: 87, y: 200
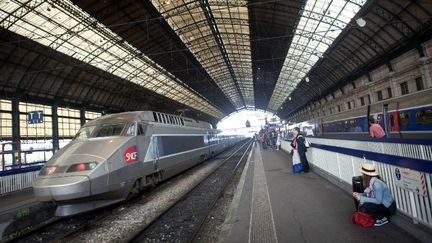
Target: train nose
x: 61, y: 188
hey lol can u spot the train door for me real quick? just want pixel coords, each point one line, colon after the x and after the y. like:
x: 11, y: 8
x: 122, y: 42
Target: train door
x: 151, y: 161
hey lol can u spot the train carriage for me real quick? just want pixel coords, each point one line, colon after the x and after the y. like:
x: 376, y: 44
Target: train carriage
x: 116, y: 156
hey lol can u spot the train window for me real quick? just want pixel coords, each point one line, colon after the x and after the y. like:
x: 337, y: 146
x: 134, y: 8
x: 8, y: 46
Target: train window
x: 141, y: 129
x: 155, y: 116
x: 159, y: 117
x: 171, y: 120
x: 85, y: 132
x: 110, y: 130
x: 131, y: 130
x: 182, y: 121
x: 164, y: 118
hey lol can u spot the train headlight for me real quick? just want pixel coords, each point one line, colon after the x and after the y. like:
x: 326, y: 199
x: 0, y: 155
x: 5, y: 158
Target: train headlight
x: 48, y: 170
x: 82, y: 167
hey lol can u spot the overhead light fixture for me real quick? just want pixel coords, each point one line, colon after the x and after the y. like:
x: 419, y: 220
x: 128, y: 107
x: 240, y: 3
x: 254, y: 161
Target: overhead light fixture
x: 361, y: 22
x: 307, y: 79
x: 289, y: 98
x: 166, y: 2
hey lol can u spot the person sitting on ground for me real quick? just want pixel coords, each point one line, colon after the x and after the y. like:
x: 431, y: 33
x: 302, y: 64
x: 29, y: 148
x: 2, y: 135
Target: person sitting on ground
x: 376, y: 200
x: 375, y: 130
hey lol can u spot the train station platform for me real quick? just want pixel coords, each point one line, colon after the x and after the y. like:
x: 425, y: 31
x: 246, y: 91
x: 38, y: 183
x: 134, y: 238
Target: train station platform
x: 272, y: 204
x: 17, y: 199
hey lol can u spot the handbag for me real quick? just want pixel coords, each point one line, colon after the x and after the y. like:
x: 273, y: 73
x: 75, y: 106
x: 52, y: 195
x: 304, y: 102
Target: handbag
x: 363, y: 219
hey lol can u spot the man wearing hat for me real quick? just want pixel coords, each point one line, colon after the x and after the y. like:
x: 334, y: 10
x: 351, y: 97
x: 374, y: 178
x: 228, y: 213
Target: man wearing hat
x: 376, y: 200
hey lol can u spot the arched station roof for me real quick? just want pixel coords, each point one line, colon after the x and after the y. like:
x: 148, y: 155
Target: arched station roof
x: 211, y: 57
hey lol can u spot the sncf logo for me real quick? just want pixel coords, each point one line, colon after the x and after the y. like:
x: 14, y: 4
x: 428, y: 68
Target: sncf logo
x: 131, y: 154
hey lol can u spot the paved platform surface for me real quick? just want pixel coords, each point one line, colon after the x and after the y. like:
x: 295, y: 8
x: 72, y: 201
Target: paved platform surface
x: 273, y: 204
x: 18, y: 199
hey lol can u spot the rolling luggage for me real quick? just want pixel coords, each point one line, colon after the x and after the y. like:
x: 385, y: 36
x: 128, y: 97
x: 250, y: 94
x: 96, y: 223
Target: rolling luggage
x: 357, y: 184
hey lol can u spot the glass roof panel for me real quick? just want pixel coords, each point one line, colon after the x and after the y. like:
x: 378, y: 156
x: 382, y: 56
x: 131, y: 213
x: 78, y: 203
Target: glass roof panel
x: 321, y: 23
x: 67, y: 29
x: 188, y: 19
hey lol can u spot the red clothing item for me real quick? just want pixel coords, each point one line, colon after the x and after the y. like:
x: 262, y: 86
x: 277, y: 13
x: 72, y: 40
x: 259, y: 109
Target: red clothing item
x: 376, y: 131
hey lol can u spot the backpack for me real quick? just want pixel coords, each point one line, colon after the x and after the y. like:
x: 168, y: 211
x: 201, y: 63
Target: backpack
x: 306, y: 142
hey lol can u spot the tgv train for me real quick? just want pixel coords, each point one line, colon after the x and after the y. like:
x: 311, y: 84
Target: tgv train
x: 116, y: 156
x: 407, y: 117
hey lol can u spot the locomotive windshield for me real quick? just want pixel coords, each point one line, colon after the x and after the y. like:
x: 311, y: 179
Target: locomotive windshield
x: 85, y: 132
x: 101, y: 130
x: 107, y: 130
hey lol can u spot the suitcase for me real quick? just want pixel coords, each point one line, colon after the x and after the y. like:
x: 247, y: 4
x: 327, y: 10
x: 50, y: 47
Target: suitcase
x: 357, y: 184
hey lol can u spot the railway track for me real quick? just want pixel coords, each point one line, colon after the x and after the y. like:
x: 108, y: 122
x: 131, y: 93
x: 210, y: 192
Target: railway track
x: 66, y: 229
x: 182, y: 221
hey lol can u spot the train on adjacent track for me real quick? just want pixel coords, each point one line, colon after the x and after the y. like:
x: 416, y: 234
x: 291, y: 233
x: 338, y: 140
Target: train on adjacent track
x: 116, y: 156
x: 407, y: 117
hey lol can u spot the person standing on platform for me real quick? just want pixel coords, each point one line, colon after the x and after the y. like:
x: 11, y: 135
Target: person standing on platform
x: 298, y: 150
x: 278, y: 141
x: 375, y: 130
x: 376, y: 200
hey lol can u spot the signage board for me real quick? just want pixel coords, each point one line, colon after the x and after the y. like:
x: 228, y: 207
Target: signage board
x: 410, y: 180
x: 34, y: 117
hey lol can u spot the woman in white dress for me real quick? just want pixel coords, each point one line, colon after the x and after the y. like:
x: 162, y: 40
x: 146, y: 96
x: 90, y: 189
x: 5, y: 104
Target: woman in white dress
x: 278, y: 141
x: 297, y: 166
x: 298, y: 145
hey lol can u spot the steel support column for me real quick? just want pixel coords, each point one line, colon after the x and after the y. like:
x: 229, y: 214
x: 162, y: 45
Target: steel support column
x: 82, y: 117
x: 55, y: 130
x: 16, y: 133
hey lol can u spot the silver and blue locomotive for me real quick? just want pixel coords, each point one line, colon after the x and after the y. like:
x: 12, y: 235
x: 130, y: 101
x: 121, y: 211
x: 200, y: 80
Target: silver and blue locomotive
x: 116, y: 156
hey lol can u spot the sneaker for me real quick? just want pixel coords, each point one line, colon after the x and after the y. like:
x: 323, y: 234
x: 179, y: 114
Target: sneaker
x: 380, y: 222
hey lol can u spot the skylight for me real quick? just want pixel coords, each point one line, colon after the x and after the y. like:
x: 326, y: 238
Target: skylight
x: 231, y: 20
x: 321, y: 23
x: 64, y: 27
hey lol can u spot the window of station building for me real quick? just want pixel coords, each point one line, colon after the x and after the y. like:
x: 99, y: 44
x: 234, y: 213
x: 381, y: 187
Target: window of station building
x: 349, y: 105
x: 5, y: 120
x: 404, y: 88
x: 389, y: 92
x: 362, y: 101
x: 69, y: 122
x: 369, y: 99
x: 380, y: 95
x: 36, y: 130
x: 419, y: 83
x: 339, y: 108
x: 92, y: 115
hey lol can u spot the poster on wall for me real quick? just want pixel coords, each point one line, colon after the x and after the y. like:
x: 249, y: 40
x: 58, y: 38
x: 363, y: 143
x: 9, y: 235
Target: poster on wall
x: 411, y: 180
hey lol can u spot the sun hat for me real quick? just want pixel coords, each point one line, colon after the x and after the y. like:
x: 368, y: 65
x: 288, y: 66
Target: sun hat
x: 369, y: 169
